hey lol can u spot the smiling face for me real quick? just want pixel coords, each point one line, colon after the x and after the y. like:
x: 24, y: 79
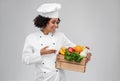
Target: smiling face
x: 52, y: 24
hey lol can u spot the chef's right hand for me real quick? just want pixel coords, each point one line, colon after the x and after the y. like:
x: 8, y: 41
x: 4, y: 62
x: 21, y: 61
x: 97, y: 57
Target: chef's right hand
x: 44, y: 50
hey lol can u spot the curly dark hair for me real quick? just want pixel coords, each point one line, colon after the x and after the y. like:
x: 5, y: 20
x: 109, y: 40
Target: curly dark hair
x: 41, y: 21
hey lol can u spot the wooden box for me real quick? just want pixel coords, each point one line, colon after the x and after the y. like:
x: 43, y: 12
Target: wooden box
x: 61, y: 63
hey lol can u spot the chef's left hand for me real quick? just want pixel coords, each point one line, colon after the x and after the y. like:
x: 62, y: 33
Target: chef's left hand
x: 88, y: 57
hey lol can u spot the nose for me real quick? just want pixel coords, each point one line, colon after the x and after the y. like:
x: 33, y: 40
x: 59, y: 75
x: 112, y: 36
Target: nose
x: 56, y: 25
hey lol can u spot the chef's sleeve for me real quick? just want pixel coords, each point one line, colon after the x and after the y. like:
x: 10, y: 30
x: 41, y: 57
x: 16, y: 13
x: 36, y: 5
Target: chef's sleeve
x: 30, y: 55
x: 67, y: 42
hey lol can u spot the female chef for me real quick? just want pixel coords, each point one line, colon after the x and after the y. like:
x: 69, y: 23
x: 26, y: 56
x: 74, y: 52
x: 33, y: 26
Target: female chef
x: 40, y: 48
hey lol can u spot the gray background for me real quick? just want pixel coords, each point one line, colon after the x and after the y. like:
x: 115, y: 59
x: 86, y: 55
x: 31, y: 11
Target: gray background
x: 95, y: 23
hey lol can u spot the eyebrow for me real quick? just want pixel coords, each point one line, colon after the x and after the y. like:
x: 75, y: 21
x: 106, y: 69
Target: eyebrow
x: 55, y: 20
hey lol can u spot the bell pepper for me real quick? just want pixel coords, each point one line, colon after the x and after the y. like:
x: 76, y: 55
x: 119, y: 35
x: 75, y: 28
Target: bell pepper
x: 62, y: 50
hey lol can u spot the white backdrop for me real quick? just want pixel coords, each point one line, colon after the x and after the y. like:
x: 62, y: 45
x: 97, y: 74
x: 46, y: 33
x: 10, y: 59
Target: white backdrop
x: 95, y: 23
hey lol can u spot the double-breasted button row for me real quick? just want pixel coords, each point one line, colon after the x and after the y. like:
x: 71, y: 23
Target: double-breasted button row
x: 41, y: 36
x: 56, y: 71
x: 42, y: 44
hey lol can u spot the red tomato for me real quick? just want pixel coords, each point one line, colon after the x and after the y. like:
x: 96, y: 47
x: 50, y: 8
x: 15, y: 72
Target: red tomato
x: 70, y: 49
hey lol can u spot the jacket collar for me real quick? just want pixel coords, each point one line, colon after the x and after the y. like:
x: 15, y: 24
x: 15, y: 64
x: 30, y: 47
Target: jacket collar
x: 49, y: 34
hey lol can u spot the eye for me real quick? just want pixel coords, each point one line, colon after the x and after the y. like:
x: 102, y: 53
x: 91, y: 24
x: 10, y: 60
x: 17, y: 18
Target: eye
x: 58, y: 22
x: 53, y: 22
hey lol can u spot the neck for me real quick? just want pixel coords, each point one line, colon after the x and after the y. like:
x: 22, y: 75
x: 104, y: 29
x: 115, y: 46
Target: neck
x: 45, y: 31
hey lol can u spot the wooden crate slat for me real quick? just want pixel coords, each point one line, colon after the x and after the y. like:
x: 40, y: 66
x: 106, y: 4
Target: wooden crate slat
x: 69, y: 66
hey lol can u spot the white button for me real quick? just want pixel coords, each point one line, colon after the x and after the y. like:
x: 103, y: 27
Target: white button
x: 41, y: 44
x: 44, y: 72
x: 53, y: 43
x: 56, y: 70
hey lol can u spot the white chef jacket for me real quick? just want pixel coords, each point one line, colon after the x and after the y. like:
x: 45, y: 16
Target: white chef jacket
x: 45, y: 64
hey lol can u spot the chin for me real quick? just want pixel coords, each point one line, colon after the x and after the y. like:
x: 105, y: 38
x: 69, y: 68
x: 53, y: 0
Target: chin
x: 53, y: 31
